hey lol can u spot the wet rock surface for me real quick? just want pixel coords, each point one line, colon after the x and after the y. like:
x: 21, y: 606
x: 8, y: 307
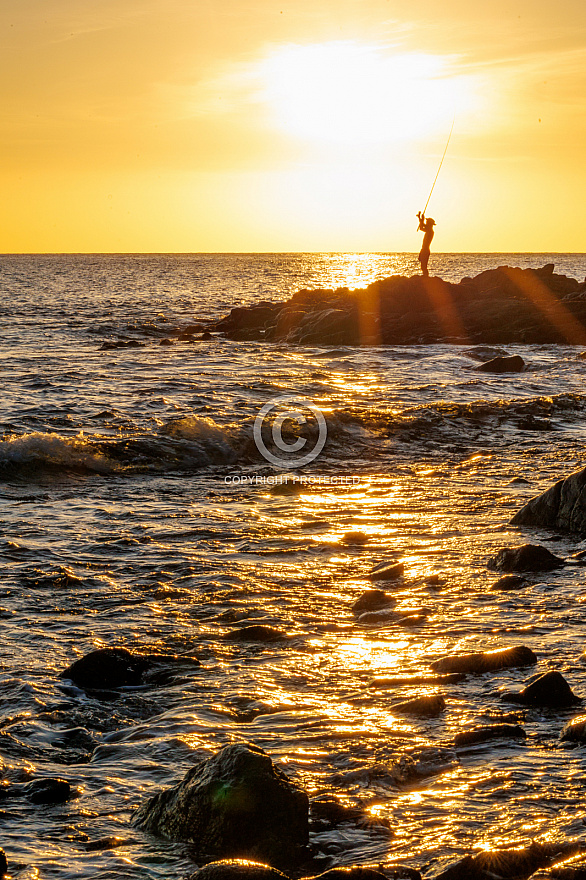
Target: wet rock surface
x: 486, y: 661
x: 528, y: 557
x: 389, y: 872
x: 508, y: 364
x: 509, y: 864
x: 509, y: 582
x: 563, y: 506
x: 575, y: 730
x: 488, y: 733
x: 373, y: 600
x: 237, y: 869
x: 549, y: 690
x: 235, y: 804
x: 498, y: 306
x: 424, y: 707
x: 107, y: 668
x: 49, y: 791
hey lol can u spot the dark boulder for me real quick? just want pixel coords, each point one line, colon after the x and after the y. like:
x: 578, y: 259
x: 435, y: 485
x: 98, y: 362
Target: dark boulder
x: 3, y: 864
x: 486, y: 661
x: 511, y: 364
x: 107, y: 668
x: 236, y: 804
x: 372, y: 600
x: 509, y: 864
x: 387, y: 571
x: 575, y: 730
x: 424, y: 707
x: 509, y: 582
x: 550, y: 690
x: 49, y: 791
x: 237, y: 869
x: 488, y: 733
x: 257, y: 632
x: 528, y: 557
x: 563, y: 506
x: 354, y: 538
x: 391, y: 872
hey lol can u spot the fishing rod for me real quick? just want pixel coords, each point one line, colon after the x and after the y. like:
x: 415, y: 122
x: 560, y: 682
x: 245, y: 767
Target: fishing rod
x: 440, y: 165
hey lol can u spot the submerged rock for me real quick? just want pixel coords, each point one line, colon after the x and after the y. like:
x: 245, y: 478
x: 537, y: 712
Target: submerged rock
x: 425, y: 707
x: 391, y: 872
x: 550, y: 690
x: 509, y: 582
x: 49, y: 791
x: 236, y: 804
x: 387, y: 571
x: 373, y: 600
x: 510, y: 364
x: 107, y: 668
x: 488, y: 733
x: 527, y: 557
x: 256, y: 633
x: 575, y: 730
x: 486, y: 661
x: 510, y: 864
x: 354, y: 538
x: 237, y: 869
x: 563, y: 506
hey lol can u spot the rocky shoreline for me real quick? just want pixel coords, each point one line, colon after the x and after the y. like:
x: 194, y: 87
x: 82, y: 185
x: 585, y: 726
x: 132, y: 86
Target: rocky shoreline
x: 245, y: 819
x: 499, y: 306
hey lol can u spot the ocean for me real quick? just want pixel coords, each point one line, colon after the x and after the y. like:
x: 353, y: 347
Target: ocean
x: 138, y: 511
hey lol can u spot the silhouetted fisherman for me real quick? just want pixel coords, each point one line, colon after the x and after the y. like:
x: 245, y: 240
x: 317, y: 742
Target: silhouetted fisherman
x: 426, y: 226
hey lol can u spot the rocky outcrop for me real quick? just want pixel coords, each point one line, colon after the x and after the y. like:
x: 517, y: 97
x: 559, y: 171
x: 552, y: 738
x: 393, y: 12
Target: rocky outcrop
x: 236, y: 804
x: 486, y: 661
x: 528, y: 557
x: 499, y: 306
x: 563, y: 506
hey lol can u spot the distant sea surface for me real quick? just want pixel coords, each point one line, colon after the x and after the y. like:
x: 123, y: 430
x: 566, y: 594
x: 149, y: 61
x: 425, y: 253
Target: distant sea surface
x: 137, y: 511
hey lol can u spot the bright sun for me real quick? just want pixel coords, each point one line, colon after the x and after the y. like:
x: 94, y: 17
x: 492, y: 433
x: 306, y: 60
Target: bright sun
x: 345, y: 93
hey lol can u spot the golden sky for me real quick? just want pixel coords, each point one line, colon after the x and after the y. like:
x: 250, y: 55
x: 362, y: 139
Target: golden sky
x: 291, y: 125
